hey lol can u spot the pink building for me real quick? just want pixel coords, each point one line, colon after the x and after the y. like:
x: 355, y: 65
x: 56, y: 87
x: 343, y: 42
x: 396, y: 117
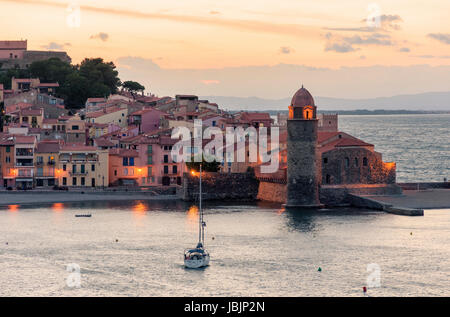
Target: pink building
x: 157, y: 164
x: 146, y: 119
x: 12, y: 49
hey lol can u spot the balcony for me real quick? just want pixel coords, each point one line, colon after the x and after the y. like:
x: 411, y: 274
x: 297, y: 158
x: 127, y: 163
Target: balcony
x: 24, y: 152
x: 78, y: 173
x: 45, y: 175
x: 21, y: 164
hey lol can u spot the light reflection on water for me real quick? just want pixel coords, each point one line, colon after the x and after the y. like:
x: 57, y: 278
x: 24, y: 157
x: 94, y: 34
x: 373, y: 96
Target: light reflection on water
x: 135, y: 248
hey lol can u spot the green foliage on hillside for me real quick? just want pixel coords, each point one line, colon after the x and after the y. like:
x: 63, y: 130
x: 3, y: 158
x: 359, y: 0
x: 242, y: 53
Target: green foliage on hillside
x: 92, y: 78
x: 133, y: 86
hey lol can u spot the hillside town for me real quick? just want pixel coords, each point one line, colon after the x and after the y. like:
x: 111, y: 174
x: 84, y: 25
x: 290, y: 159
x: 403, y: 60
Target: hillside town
x: 124, y: 139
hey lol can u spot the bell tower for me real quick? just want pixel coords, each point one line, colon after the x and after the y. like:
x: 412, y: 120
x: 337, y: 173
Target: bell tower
x: 303, y: 164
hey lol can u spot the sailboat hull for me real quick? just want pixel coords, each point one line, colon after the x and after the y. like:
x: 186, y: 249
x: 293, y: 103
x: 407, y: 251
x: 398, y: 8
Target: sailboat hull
x: 197, y: 263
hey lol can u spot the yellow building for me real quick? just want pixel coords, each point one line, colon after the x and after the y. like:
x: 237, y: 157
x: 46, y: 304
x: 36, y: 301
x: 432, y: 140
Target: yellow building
x: 82, y: 166
x: 34, y: 117
x: 113, y: 115
x: 46, y: 158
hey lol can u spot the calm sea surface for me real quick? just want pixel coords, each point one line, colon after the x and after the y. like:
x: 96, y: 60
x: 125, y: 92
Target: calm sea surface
x: 420, y: 144
x: 136, y: 249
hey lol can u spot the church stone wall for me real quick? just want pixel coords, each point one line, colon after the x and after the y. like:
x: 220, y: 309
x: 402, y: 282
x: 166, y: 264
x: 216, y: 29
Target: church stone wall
x: 356, y: 166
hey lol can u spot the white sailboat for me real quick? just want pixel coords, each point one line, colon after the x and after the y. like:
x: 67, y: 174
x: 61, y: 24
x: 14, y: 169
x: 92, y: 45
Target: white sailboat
x: 198, y: 257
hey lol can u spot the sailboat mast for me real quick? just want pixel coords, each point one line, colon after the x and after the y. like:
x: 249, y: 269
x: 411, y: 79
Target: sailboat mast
x: 200, y: 224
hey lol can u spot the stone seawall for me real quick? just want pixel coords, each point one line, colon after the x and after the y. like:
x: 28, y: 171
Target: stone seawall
x: 220, y: 186
x: 329, y: 195
x: 273, y: 192
x: 334, y: 195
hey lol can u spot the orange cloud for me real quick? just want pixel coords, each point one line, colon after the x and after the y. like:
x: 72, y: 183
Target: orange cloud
x: 249, y: 25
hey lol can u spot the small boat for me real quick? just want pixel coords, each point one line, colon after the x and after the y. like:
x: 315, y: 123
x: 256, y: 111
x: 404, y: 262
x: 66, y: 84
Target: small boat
x: 198, y: 257
x: 83, y: 216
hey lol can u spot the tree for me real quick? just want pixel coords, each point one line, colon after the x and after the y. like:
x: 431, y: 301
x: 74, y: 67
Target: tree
x: 5, y: 77
x: 92, y: 78
x: 133, y: 86
x: 95, y: 70
x: 212, y: 167
x: 52, y: 70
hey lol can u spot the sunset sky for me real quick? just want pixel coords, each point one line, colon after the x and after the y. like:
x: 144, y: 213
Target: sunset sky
x: 262, y: 48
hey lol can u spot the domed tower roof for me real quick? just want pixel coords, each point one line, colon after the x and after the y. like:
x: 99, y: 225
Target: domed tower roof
x: 302, y: 98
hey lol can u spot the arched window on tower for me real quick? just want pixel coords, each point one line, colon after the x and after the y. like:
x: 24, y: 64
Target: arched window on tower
x: 308, y: 113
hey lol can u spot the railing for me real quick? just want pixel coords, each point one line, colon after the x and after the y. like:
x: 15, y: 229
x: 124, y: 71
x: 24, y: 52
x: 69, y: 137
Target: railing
x: 24, y: 164
x: 85, y: 172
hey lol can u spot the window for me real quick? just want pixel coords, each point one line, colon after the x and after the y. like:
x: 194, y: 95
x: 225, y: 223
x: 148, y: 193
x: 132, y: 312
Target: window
x: 125, y: 171
x: 175, y: 169
x: 328, y: 179
x: 64, y: 167
x: 83, y: 169
x: 125, y: 161
x: 8, y: 159
x: 40, y: 172
x: 150, y: 149
x: 150, y: 160
x: 166, y: 169
x: 75, y: 127
x: 74, y: 181
x: 83, y: 182
x: 131, y: 160
x: 149, y: 171
x: 64, y: 181
x: 131, y: 171
x: 325, y: 160
x: 115, y: 172
x: 365, y: 161
x: 347, y: 162
x: 356, y: 162
x: 93, y: 167
x: 74, y: 169
x: 93, y: 182
x: 166, y: 158
x: 8, y: 149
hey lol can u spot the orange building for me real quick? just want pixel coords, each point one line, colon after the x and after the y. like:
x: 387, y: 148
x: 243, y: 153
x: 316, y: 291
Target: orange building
x: 125, y: 168
x: 7, y: 170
